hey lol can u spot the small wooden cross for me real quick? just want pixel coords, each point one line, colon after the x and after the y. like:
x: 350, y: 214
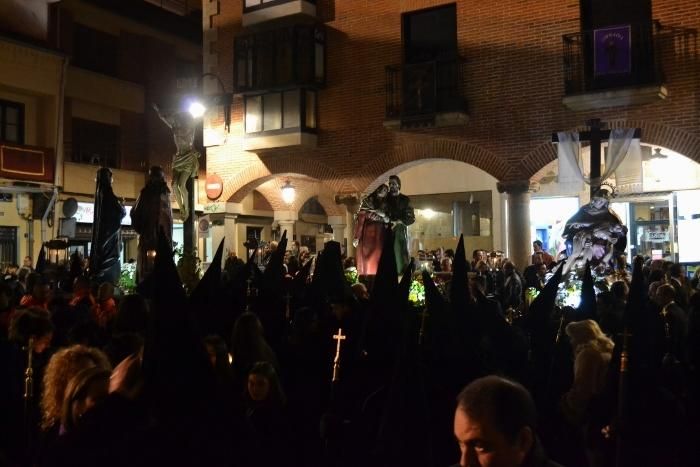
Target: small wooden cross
x: 336, y: 361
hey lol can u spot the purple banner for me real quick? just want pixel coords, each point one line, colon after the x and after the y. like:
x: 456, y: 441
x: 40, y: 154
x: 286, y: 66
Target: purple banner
x: 612, y: 50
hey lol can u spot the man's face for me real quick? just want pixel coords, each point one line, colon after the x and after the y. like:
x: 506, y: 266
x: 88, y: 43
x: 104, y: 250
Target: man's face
x: 393, y: 187
x: 483, y: 446
x: 536, y: 247
x: 27, y: 262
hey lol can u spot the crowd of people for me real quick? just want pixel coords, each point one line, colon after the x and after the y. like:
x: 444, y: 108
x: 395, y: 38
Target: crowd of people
x: 295, y: 365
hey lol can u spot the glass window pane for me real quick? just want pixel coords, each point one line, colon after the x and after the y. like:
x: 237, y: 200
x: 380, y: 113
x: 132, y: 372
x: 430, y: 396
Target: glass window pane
x: 253, y: 108
x: 11, y: 133
x: 241, y: 72
x: 291, y: 109
x: 11, y: 115
x: 285, y: 65
x: 272, y: 111
x: 319, y: 62
x: 310, y: 109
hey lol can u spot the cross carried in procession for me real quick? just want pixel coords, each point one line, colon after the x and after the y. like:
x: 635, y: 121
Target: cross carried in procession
x: 596, y: 135
x: 336, y: 361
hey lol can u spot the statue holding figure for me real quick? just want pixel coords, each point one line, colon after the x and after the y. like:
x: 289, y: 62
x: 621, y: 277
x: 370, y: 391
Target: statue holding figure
x: 150, y: 214
x: 400, y: 215
x: 186, y: 159
x: 370, y: 230
x: 595, y: 234
x: 106, y: 231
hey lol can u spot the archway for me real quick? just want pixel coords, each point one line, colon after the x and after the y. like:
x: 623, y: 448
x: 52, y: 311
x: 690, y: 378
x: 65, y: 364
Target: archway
x: 449, y: 197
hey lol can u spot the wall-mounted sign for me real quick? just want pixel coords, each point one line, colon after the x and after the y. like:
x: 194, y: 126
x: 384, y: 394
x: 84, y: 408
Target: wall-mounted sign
x: 214, y: 186
x: 612, y: 50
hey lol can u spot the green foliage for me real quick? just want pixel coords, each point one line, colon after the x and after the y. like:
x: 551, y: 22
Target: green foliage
x: 127, y: 278
x: 416, y: 294
x: 351, y: 276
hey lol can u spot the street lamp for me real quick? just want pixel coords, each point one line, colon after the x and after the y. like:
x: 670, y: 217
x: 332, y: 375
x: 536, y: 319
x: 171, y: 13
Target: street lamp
x: 198, y: 107
x: 289, y: 193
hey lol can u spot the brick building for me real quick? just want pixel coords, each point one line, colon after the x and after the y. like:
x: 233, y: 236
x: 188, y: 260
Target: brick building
x: 394, y: 87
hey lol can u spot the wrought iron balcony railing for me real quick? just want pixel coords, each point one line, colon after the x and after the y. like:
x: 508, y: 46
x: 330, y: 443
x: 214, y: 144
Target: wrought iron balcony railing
x: 419, y: 91
x: 612, y: 57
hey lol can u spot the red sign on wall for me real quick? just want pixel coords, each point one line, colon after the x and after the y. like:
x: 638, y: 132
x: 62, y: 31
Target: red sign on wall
x: 214, y: 186
x: 29, y: 163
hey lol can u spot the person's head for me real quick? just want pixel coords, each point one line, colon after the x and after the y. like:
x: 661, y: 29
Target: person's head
x: 264, y: 385
x: 104, y: 177
x: 360, y: 291
x: 63, y: 366
x: 537, y: 246
x: 217, y: 350
x: 84, y: 390
x: 676, y: 271
x: 541, y: 269
x: 482, y: 267
x: 381, y: 191
x: 446, y: 264
x: 600, y: 198
x: 41, y: 291
x: 619, y: 290
x: 665, y: 294
x: 394, y: 185
x: 81, y: 285
x: 273, y: 246
x: 32, y: 325
x: 588, y: 333
x: 508, y: 268
x: 494, y: 423
x: 156, y: 174
x: 27, y: 263
x: 656, y: 265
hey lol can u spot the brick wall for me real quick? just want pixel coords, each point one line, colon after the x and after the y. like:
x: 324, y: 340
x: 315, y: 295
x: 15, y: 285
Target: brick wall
x: 514, y: 81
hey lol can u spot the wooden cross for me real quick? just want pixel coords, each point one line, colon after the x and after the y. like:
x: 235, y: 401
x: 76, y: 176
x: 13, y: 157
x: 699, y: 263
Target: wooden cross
x: 596, y: 135
x: 336, y: 361
x: 421, y: 332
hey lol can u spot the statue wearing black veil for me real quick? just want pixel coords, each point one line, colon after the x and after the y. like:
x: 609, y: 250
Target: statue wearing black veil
x: 151, y: 213
x: 106, y: 231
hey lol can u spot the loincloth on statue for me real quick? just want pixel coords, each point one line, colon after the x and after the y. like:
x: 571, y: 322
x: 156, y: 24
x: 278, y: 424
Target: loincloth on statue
x: 187, y: 162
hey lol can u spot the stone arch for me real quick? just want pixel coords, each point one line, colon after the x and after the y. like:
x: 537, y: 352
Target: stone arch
x: 653, y: 133
x: 437, y: 148
x: 306, y: 187
x: 244, y: 182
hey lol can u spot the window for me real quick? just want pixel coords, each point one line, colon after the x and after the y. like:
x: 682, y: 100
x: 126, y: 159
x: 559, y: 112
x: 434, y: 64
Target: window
x: 96, y: 50
x: 280, y: 111
x: 280, y: 58
x: 96, y: 143
x: 8, y: 246
x: 11, y: 122
x: 430, y: 34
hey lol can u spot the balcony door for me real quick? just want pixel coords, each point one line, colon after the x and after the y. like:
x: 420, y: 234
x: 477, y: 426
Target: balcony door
x: 430, y: 52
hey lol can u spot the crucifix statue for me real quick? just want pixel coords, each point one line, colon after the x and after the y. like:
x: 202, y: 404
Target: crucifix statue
x: 336, y: 361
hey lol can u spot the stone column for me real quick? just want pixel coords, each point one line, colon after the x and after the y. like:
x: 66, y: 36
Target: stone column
x: 518, y: 217
x: 337, y: 223
x: 286, y: 220
x: 231, y: 237
x: 352, y: 205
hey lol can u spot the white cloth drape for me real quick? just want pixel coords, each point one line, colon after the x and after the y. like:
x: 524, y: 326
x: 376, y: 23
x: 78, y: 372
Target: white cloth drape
x: 569, y: 148
x: 628, y: 177
x: 570, y: 177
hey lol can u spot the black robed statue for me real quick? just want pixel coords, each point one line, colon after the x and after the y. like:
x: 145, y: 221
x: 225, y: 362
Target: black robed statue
x: 151, y: 214
x: 106, y: 231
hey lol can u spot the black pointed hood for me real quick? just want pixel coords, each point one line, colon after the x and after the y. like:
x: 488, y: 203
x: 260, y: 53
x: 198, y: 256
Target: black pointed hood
x: 205, y: 298
x: 460, y: 296
x: 433, y: 298
x: 41, y: 261
x: 385, y: 284
x: 406, y: 280
x: 541, y: 308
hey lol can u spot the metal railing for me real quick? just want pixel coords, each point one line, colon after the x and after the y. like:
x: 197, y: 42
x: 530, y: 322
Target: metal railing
x: 592, y: 64
x: 419, y: 91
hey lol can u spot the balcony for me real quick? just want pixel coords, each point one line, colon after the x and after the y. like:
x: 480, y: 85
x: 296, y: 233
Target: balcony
x: 281, y: 58
x: 613, y: 66
x: 427, y: 94
x: 28, y: 163
x: 259, y: 11
x: 80, y: 179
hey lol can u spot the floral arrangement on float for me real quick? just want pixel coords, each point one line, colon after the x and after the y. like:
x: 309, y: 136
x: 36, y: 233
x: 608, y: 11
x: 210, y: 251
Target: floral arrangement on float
x: 127, y: 278
x: 416, y: 293
x: 351, y: 276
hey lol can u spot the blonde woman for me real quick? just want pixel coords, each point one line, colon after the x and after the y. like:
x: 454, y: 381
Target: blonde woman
x: 63, y: 366
x: 592, y: 351
x: 86, y: 389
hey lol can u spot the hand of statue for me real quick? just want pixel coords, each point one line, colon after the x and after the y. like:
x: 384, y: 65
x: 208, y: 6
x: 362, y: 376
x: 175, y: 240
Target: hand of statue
x: 355, y: 242
x: 155, y: 107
